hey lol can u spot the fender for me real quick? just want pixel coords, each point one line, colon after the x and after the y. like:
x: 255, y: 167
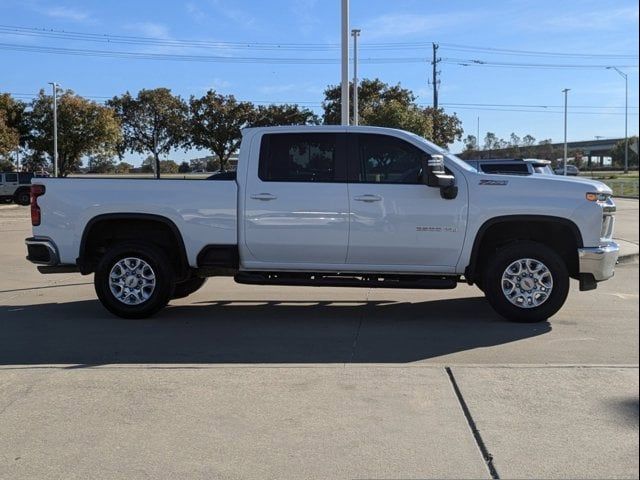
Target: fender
x: 83, y: 262
x: 469, y: 272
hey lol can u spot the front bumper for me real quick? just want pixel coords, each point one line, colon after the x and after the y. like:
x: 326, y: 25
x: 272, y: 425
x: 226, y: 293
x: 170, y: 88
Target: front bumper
x: 599, y: 261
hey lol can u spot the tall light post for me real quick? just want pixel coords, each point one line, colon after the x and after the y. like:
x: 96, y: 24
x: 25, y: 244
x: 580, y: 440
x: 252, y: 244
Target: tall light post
x: 345, y: 64
x: 355, y: 33
x: 626, y: 116
x: 566, y: 91
x: 54, y: 87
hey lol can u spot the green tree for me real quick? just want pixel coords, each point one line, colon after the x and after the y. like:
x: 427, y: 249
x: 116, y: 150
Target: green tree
x: 184, y: 167
x: 123, y: 167
x: 84, y: 128
x: 13, y: 112
x: 446, y: 129
x: 216, y: 123
x: 392, y: 106
x: 617, y: 153
x: 372, y: 94
x: 9, y: 137
x: 168, y: 166
x: 147, y: 165
x: 273, y: 115
x: 102, y: 163
x: 155, y: 122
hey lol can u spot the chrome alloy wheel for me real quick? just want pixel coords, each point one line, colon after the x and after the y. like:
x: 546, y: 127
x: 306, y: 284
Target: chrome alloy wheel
x: 132, y: 281
x: 527, y: 283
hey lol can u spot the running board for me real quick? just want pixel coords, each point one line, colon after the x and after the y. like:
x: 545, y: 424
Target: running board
x: 347, y: 280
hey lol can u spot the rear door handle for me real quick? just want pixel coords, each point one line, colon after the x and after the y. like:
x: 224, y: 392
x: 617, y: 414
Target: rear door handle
x: 368, y: 198
x: 263, y: 196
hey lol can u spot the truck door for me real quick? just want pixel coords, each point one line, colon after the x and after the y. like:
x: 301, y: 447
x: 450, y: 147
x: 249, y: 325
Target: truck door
x: 395, y: 218
x: 296, y: 201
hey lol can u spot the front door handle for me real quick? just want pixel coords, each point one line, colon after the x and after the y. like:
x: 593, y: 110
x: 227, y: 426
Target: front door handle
x: 263, y: 196
x: 368, y: 198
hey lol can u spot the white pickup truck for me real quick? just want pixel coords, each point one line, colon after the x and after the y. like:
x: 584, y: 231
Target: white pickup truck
x: 330, y: 206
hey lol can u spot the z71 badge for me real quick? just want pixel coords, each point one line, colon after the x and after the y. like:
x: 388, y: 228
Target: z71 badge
x: 500, y: 183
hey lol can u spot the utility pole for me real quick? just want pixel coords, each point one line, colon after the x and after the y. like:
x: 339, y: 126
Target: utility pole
x: 355, y: 33
x: 626, y: 117
x: 344, y: 104
x: 436, y: 82
x: 566, y: 91
x: 54, y: 87
x: 478, y: 135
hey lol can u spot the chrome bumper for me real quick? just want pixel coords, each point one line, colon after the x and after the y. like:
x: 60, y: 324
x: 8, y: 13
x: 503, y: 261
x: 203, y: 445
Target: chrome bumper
x: 599, y: 261
x: 42, y: 251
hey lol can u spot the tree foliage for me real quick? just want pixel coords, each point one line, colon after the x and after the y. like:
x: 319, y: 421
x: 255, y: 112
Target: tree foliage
x: 617, y: 154
x: 155, y: 122
x: 287, y: 114
x: 216, y: 123
x: 384, y: 105
x: 9, y: 137
x: 84, y: 128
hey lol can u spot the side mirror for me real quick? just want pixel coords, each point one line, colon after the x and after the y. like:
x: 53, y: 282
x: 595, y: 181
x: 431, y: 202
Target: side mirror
x: 434, y: 175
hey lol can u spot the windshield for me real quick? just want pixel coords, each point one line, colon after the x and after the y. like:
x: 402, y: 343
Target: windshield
x: 432, y: 147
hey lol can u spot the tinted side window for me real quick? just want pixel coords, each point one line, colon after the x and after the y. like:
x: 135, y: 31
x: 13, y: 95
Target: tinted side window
x: 513, y: 168
x: 10, y: 177
x: 301, y: 157
x: 25, y: 177
x: 386, y: 159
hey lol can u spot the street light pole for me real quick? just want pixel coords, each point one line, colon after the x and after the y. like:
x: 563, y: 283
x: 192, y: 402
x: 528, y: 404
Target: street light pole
x: 355, y: 33
x: 626, y: 116
x: 566, y: 91
x: 55, y: 86
x: 344, y: 104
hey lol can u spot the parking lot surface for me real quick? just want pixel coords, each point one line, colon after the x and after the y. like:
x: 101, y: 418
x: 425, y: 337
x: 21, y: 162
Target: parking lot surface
x: 282, y: 382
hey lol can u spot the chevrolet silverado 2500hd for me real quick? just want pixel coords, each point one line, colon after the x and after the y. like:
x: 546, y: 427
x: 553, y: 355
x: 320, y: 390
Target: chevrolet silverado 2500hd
x: 336, y: 206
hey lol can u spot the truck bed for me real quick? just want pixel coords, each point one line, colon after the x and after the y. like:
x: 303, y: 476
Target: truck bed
x: 203, y: 211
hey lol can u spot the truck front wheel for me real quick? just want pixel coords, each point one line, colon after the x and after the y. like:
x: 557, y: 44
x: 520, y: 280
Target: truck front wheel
x: 526, y: 282
x: 134, y: 280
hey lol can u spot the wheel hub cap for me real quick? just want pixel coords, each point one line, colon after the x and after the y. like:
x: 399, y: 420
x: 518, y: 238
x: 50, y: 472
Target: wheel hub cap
x: 527, y: 283
x: 132, y: 281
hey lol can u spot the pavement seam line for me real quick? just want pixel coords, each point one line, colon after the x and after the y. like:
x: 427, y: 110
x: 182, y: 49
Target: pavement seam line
x: 355, y: 339
x: 488, y: 458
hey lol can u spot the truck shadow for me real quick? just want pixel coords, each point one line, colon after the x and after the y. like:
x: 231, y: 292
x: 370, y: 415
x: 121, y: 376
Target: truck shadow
x: 83, y: 333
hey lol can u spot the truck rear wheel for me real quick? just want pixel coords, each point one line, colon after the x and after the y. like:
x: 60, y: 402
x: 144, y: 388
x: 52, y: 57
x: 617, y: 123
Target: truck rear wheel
x: 526, y: 282
x: 134, y: 280
x: 186, y: 288
x: 22, y: 196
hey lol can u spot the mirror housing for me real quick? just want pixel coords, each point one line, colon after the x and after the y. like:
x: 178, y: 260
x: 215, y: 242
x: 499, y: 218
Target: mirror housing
x: 434, y: 175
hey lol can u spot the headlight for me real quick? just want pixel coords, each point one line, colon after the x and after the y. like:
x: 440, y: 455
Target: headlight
x: 598, y: 197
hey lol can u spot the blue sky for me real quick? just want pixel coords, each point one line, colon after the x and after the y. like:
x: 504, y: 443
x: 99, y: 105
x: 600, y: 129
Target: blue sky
x: 508, y: 94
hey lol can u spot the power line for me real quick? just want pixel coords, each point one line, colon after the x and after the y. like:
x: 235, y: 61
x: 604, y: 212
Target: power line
x: 489, y: 63
x: 507, y: 51
x: 142, y: 40
x: 199, y: 58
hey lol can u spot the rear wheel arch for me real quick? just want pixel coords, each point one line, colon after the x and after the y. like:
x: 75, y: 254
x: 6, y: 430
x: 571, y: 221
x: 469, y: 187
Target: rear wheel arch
x: 558, y: 233
x: 102, y: 231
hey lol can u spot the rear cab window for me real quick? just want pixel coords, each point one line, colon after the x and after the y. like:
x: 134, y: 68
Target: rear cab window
x: 302, y: 157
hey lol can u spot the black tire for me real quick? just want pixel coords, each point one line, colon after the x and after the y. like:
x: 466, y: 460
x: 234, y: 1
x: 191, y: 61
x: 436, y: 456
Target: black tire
x: 162, y: 272
x: 186, y: 288
x: 505, y: 257
x: 22, y: 196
